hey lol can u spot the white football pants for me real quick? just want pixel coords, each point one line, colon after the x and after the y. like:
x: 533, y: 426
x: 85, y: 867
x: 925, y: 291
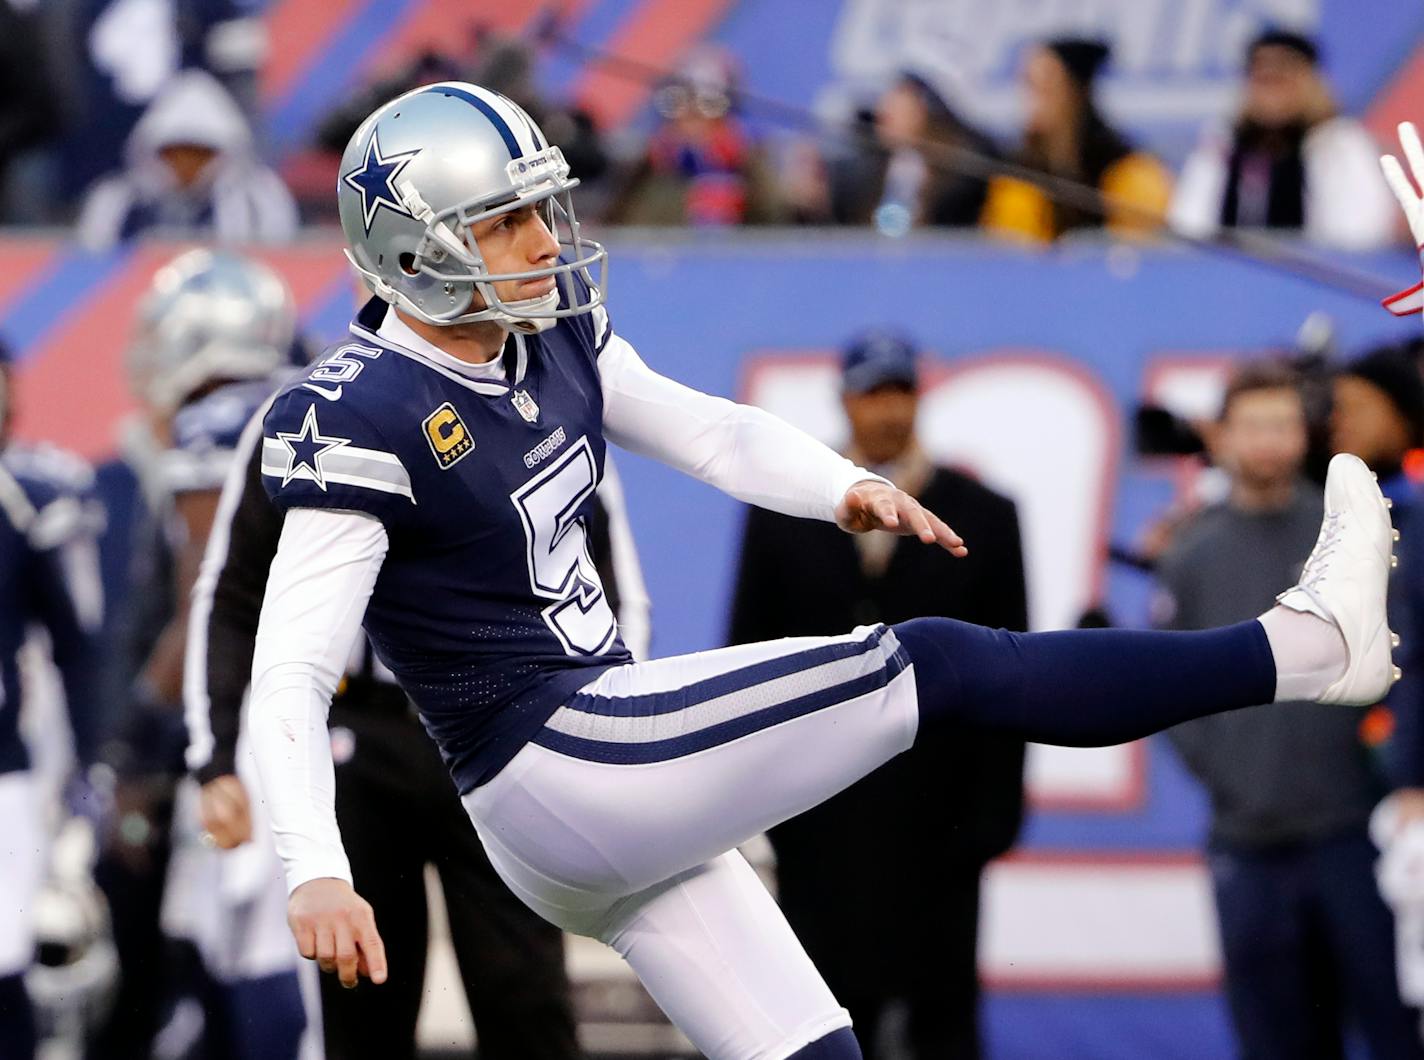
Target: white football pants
x: 23, y: 849
x: 620, y: 820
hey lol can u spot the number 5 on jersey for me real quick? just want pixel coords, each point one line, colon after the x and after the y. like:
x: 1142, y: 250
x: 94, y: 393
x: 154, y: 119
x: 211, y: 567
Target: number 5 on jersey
x: 560, y: 568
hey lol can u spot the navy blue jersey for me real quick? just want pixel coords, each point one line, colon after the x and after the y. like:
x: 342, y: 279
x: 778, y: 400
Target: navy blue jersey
x: 206, y: 432
x: 488, y: 608
x: 49, y: 576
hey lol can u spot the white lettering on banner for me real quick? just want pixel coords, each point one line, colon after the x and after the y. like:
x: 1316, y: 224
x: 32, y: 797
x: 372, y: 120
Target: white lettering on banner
x: 1173, y: 60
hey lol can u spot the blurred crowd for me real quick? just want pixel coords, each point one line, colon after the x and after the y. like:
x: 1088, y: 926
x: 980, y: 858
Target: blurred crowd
x: 131, y: 118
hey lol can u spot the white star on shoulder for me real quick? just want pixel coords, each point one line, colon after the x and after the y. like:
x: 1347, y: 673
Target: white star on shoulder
x: 305, y: 450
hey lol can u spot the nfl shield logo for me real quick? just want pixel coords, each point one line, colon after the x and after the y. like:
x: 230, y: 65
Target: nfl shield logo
x: 524, y: 405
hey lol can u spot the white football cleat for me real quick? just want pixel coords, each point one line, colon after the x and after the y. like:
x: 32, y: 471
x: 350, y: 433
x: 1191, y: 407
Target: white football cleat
x: 1346, y: 578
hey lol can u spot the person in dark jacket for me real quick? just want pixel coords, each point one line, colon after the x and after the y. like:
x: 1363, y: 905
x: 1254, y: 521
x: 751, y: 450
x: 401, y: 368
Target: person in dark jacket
x: 903, y: 172
x: 916, y: 834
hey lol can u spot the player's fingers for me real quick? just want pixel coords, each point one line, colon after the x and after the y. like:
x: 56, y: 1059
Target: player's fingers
x: 304, y: 937
x: 346, y: 955
x: 916, y: 520
x: 885, y: 514
x: 1398, y: 182
x: 1413, y: 150
x: 240, y: 821
x: 325, y: 948
x: 223, y: 836
x: 373, y: 952
x: 946, y: 537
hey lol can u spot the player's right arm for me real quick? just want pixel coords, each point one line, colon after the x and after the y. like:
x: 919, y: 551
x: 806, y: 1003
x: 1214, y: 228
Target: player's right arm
x: 338, y: 485
x: 750, y: 454
x: 321, y: 578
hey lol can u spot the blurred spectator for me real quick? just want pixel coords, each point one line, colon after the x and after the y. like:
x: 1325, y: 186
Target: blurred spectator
x: 30, y: 113
x: 902, y: 173
x: 1378, y: 414
x: 701, y: 166
x: 1290, y: 160
x: 116, y: 56
x: 503, y: 64
x: 191, y: 171
x: 1305, y: 936
x: 911, y: 839
x: 1066, y: 136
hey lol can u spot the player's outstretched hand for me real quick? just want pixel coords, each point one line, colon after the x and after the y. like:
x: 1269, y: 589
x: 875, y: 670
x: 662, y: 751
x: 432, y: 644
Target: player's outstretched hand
x: 224, y: 812
x: 1411, y: 200
x: 1408, y: 194
x: 872, y: 505
x: 335, y: 927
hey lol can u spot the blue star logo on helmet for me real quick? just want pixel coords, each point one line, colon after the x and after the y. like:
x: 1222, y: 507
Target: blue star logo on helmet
x: 376, y: 181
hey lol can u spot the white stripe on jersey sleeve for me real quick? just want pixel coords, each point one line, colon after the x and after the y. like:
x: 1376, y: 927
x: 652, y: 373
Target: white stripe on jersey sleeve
x: 350, y: 465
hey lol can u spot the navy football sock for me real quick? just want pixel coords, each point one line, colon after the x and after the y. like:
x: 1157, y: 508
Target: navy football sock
x: 838, y: 1045
x: 1085, y: 688
x: 17, y: 1019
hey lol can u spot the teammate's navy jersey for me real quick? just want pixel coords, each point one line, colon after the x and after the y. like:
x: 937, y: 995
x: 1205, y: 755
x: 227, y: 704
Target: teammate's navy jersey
x: 48, y: 575
x: 206, y: 432
x: 488, y: 608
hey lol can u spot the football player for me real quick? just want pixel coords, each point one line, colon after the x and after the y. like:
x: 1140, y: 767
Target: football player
x: 49, y: 576
x: 396, y: 807
x: 436, y: 471
x: 214, y: 332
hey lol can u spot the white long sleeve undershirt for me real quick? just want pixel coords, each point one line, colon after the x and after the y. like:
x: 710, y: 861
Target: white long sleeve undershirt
x: 741, y: 450
x: 320, y: 581
x: 327, y: 562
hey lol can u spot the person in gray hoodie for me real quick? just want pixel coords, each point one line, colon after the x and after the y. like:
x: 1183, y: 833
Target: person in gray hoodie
x: 1306, y: 941
x: 191, y: 171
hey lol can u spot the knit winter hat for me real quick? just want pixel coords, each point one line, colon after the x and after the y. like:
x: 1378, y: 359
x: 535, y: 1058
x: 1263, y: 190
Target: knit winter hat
x: 1394, y: 371
x: 1083, y: 58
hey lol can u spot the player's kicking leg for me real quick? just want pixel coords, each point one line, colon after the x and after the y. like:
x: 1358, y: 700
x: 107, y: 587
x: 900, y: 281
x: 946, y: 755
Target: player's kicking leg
x: 613, y: 822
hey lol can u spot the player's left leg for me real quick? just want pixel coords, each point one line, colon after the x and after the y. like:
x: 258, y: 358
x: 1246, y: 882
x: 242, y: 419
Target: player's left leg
x: 656, y: 767
x: 1327, y: 640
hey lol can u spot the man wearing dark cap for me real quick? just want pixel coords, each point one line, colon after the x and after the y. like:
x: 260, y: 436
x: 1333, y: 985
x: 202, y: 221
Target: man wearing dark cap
x: 913, y: 977
x: 1289, y: 160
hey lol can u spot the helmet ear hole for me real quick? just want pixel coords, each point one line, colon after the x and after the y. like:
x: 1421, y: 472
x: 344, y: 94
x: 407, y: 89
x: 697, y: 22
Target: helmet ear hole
x: 407, y: 264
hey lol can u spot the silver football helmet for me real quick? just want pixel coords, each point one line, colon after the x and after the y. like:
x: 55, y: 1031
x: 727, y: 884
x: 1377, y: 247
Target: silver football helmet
x: 75, y: 974
x: 426, y: 167
x: 209, y: 315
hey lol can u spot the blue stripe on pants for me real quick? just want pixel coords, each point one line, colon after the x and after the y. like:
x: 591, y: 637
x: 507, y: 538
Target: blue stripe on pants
x: 611, y: 752
x: 739, y: 680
